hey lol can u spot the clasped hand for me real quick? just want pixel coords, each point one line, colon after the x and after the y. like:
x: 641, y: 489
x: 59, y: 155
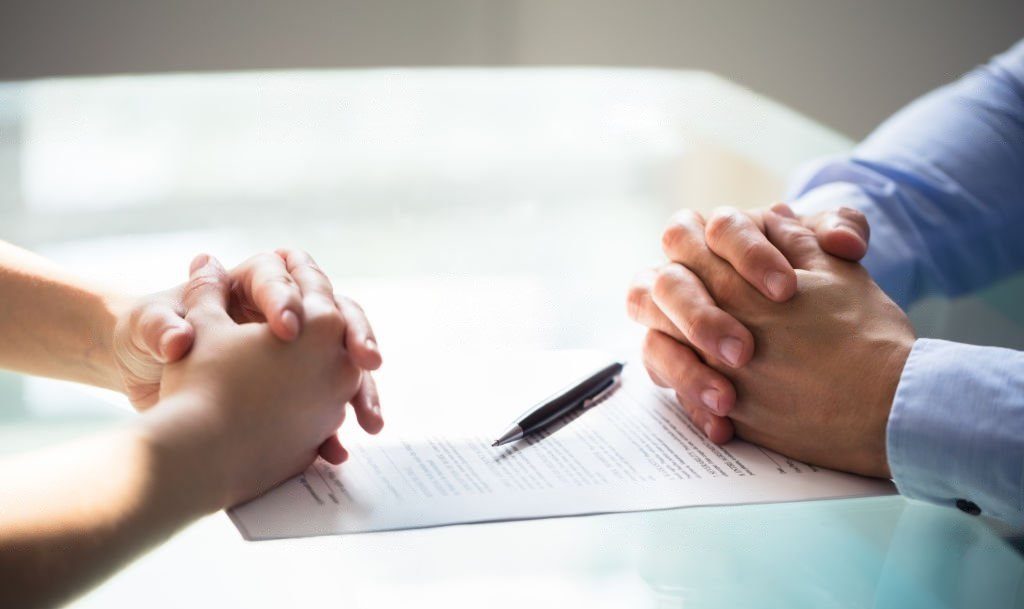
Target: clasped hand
x: 765, y: 326
x: 270, y: 353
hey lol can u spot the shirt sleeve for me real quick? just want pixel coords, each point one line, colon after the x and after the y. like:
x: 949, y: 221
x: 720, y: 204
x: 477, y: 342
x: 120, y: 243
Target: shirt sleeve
x: 942, y: 186
x: 956, y: 430
x: 941, y: 183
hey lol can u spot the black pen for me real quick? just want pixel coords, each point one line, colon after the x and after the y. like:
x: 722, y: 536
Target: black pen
x: 581, y: 396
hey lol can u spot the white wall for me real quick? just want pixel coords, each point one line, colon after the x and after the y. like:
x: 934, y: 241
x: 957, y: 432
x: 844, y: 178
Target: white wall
x: 849, y: 64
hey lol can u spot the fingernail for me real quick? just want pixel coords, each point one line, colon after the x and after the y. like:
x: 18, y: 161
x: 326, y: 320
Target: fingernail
x: 776, y: 283
x: 846, y: 228
x: 731, y: 349
x: 707, y: 429
x: 710, y: 398
x: 783, y: 210
x: 198, y: 262
x: 291, y: 322
x: 371, y: 345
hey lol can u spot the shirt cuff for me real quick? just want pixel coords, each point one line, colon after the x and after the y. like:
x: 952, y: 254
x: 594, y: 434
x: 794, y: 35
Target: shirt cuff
x: 956, y: 430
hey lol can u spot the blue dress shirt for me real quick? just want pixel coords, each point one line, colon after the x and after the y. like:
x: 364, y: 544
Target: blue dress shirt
x: 942, y: 186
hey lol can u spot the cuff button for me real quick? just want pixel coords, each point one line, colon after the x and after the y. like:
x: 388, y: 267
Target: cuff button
x: 968, y: 506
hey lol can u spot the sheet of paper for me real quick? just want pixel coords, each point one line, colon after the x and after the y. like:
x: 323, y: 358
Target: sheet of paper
x: 635, y: 451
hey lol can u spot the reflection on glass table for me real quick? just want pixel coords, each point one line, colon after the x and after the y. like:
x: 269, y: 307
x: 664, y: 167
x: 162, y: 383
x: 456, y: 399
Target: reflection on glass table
x: 469, y: 211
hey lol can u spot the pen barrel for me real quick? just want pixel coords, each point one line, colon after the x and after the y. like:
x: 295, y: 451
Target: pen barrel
x: 542, y: 418
x: 573, y: 399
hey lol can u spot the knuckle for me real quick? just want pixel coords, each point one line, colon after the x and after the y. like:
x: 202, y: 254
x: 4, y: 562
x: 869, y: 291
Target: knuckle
x: 636, y: 299
x: 700, y: 323
x: 296, y: 258
x: 263, y: 261
x: 653, y: 375
x: 675, y: 237
x: 804, y: 239
x: 201, y: 311
x: 277, y: 284
x: 680, y: 234
x: 303, y: 257
x: 681, y: 378
x: 287, y: 254
x: 201, y: 283
x: 207, y: 280
x: 755, y: 252
x: 650, y: 344
x: 721, y: 224
x: 151, y: 321
x: 794, y: 230
x: 314, y: 274
x: 688, y: 409
x: 687, y: 217
x: 664, y: 283
x: 727, y: 210
x: 320, y: 272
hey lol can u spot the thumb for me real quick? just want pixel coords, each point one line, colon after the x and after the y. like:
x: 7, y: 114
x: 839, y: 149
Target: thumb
x: 161, y: 330
x: 796, y: 242
x: 842, y: 232
x: 206, y: 294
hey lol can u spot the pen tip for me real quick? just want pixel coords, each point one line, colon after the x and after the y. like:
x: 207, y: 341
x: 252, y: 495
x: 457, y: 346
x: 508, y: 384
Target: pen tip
x: 495, y: 443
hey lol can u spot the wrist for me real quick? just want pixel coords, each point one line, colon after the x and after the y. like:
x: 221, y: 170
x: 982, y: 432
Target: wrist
x: 893, y: 362
x: 101, y: 357
x: 184, y: 448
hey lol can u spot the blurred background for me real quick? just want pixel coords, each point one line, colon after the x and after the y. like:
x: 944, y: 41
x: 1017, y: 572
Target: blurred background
x: 816, y: 56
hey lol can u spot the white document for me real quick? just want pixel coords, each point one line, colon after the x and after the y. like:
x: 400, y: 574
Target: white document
x: 635, y: 451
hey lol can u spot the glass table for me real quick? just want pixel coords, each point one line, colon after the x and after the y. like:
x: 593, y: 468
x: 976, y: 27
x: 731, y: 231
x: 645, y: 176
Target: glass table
x: 472, y: 212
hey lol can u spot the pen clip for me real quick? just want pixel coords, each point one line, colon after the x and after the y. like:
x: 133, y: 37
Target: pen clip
x: 604, y: 394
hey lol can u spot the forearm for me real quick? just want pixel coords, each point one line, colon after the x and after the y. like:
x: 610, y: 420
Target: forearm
x: 52, y: 323
x: 72, y: 515
x: 941, y: 184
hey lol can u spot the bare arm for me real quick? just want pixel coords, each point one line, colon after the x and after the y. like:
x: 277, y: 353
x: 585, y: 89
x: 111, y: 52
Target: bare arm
x: 244, y: 411
x: 73, y: 514
x: 54, y: 324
